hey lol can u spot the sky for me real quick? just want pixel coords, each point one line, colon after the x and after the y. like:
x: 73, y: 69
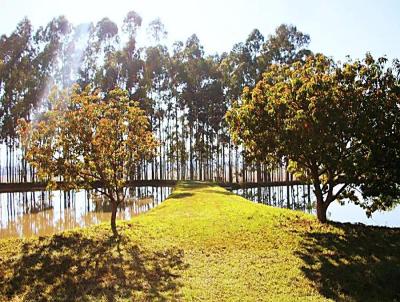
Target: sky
x: 337, y: 28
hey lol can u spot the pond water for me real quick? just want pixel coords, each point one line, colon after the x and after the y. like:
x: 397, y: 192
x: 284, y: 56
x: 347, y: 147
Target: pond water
x: 301, y: 198
x: 42, y: 213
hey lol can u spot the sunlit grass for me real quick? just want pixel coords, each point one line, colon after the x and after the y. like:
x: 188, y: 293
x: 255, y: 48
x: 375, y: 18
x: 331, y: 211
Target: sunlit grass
x: 206, y: 244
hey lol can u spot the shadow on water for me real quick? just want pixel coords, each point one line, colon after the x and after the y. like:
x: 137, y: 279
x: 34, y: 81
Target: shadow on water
x: 72, y: 267
x: 362, y: 264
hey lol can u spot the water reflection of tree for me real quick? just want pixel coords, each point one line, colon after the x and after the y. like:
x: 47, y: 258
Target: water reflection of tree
x: 293, y: 197
x: 41, y: 213
x: 138, y: 202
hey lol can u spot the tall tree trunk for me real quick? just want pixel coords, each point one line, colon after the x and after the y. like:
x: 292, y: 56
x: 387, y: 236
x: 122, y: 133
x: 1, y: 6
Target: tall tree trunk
x: 230, y: 162
x: 244, y: 167
x: 190, y: 152
x: 161, y: 150
x: 287, y: 185
x: 258, y: 166
x: 322, y: 205
x: 177, y: 142
x: 114, y: 208
x: 321, y: 210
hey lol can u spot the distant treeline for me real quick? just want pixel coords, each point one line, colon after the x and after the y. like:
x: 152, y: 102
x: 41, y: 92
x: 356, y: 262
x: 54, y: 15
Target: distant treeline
x: 185, y: 92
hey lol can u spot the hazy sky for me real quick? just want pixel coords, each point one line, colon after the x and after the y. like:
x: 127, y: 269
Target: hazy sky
x: 337, y: 28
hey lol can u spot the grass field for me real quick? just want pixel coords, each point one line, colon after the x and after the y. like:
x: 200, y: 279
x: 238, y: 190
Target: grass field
x: 206, y: 244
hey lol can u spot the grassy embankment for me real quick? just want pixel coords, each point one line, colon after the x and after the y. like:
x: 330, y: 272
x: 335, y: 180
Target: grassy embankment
x: 206, y: 244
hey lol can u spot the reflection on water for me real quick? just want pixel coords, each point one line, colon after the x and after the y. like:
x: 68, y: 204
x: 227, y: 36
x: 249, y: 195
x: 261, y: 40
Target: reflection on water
x: 41, y: 213
x: 302, y: 198
x: 291, y: 197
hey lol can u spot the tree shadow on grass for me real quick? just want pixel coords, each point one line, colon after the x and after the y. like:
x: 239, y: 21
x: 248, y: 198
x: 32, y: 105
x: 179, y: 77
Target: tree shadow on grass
x: 228, y: 193
x: 362, y: 264
x: 78, y: 268
x: 179, y: 195
x: 194, y: 184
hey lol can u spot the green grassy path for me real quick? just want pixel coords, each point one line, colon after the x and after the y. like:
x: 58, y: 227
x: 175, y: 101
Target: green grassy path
x: 206, y: 244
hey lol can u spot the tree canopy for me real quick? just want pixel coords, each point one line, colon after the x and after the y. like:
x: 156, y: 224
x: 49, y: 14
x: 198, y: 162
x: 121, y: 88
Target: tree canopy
x: 300, y: 110
x: 93, y: 140
x: 184, y: 91
x: 336, y: 124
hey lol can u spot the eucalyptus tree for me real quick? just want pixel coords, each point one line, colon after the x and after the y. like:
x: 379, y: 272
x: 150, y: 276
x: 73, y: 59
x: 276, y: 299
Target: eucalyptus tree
x: 212, y: 118
x: 287, y: 45
x: 88, y: 65
x: 28, y: 60
x: 130, y: 59
x: 16, y: 82
x: 156, y: 30
x: 184, y: 92
x: 98, y: 64
x: 200, y: 87
x: 108, y: 39
x: 16, y: 53
x: 191, y: 79
x: 241, y: 68
x: 233, y: 84
x: 156, y: 83
x: 178, y: 152
x: 54, y: 44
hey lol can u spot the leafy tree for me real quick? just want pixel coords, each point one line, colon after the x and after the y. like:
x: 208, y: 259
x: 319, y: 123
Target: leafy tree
x: 92, y: 140
x: 338, y: 126
x: 378, y: 127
